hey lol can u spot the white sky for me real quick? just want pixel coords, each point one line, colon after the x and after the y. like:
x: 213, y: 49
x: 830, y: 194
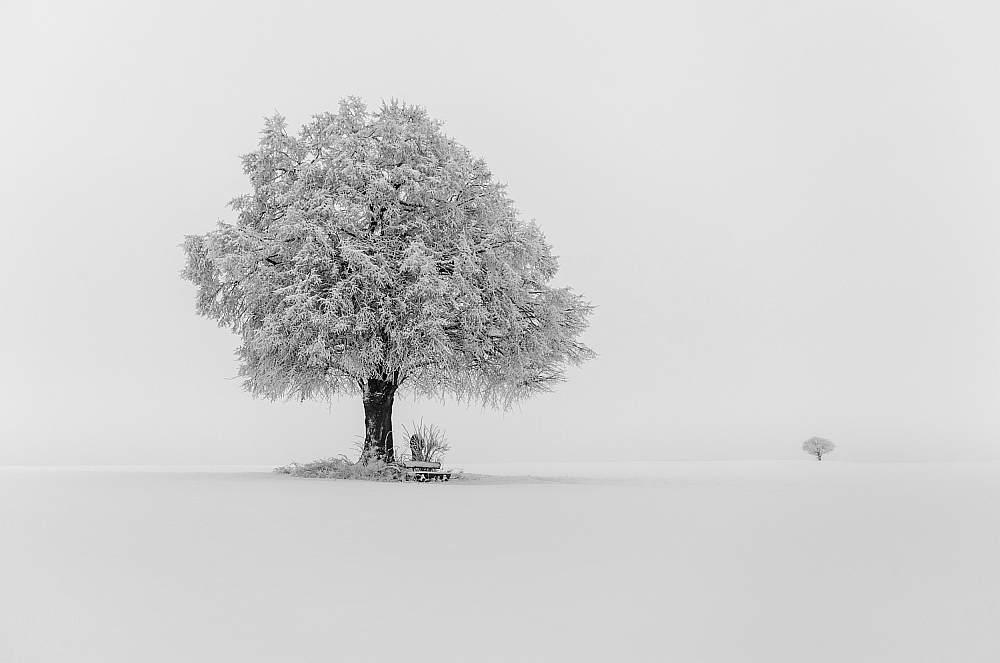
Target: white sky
x: 788, y: 215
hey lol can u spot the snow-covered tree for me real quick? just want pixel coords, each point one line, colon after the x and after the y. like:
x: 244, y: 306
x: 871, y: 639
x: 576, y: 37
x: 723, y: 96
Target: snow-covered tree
x: 376, y: 254
x: 818, y: 446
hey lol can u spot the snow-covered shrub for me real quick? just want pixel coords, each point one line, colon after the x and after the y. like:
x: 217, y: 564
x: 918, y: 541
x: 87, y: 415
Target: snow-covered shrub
x: 427, y: 443
x: 342, y: 468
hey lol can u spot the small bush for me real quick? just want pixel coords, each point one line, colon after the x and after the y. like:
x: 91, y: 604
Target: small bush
x: 427, y: 443
x: 342, y: 468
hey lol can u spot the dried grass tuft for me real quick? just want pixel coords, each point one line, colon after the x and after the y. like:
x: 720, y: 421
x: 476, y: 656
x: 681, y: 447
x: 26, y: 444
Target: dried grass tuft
x: 427, y: 443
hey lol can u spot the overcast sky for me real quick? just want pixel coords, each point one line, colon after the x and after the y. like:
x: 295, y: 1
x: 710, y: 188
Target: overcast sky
x: 786, y: 213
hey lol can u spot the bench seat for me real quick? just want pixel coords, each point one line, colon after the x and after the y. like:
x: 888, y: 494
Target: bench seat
x: 423, y: 471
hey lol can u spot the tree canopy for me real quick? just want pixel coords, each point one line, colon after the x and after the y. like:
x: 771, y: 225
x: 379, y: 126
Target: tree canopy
x: 376, y: 253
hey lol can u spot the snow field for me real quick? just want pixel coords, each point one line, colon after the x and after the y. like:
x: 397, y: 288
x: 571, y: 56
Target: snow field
x: 715, y: 561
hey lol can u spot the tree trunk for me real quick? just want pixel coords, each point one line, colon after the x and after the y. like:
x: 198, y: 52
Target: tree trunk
x: 377, y: 396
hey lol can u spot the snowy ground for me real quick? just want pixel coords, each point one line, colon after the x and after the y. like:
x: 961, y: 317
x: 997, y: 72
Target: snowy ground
x: 683, y: 561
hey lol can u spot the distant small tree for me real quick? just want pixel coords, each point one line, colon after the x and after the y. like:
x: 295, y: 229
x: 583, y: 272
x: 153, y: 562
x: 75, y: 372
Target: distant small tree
x: 818, y: 446
x: 377, y: 254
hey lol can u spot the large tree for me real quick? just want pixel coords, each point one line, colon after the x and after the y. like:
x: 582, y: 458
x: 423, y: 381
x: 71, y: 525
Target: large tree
x: 375, y: 254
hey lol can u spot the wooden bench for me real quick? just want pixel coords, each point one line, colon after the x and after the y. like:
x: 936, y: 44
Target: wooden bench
x: 420, y: 471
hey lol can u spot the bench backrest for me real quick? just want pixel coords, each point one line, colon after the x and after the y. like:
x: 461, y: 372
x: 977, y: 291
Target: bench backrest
x: 419, y: 465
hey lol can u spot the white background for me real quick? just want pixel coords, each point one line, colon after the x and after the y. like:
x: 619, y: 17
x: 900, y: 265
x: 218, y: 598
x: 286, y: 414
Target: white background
x: 786, y: 214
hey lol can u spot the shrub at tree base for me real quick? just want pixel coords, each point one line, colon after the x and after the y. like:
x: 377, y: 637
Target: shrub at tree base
x: 427, y: 443
x: 341, y: 468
